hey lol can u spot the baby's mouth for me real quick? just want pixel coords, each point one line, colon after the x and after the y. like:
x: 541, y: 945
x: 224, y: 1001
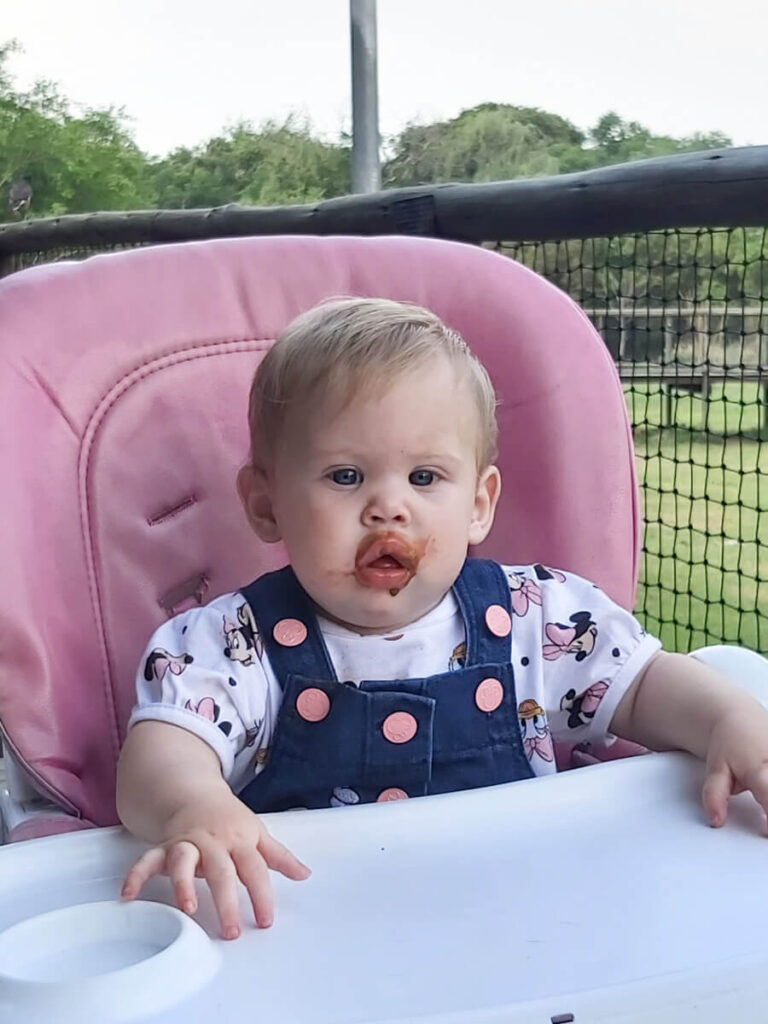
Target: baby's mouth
x: 386, y: 561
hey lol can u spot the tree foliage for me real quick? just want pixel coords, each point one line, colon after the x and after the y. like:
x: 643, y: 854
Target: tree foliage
x: 277, y: 163
x: 73, y: 161
x: 496, y: 142
x: 614, y: 141
x: 80, y: 159
x: 491, y: 142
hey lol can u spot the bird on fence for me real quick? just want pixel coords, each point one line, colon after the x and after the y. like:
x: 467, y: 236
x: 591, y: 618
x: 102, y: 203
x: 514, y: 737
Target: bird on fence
x: 20, y: 197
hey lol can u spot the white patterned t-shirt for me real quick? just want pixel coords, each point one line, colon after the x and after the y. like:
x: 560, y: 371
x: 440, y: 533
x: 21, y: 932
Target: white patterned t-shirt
x: 574, y: 653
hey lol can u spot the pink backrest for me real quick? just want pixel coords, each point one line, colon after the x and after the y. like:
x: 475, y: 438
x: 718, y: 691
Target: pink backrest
x: 123, y: 392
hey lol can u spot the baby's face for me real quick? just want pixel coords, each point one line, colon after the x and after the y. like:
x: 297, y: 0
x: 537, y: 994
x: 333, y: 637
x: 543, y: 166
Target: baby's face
x: 377, y: 501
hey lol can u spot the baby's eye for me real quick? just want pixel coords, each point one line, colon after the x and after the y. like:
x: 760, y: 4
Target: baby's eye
x: 422, y: 477
x: 347, y: 476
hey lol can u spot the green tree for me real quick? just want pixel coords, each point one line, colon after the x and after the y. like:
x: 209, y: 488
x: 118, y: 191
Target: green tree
x: 275, y: 164
x: 73, y: 161
x: 497, y: 141
x: 490, y: 142
x: 615, y: 141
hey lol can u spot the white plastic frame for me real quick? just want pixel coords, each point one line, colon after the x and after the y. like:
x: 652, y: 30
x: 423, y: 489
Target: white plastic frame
x: 599, y: 893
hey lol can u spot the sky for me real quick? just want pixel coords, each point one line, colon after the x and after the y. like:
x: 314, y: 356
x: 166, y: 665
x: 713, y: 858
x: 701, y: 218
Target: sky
x: 183, y: 70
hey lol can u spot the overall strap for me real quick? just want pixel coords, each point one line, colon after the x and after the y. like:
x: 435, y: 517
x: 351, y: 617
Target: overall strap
x: 482, y: 592
x: 286, y: 621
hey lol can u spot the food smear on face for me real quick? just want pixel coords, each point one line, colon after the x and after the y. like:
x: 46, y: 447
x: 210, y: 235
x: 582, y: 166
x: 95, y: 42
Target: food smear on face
x: 387, y: 561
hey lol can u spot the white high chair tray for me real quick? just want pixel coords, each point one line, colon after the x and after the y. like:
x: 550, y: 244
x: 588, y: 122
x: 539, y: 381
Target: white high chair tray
x: 599, y: 894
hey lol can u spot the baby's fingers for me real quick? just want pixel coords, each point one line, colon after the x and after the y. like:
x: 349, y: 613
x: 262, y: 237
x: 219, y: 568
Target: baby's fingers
x: 718, y: 787
x: 149, y: 864
x: 254, y: 875
x: 181, y: 861
x: 280, y: 858
x: 219, y: 871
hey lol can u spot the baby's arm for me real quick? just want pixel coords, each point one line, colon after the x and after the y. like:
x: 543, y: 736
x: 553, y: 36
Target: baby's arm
x: 170, y: 792
x: 678, y: 702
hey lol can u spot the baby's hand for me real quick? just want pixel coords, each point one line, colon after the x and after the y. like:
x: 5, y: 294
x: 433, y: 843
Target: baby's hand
x: 737, y: 760
x: 232, y: 843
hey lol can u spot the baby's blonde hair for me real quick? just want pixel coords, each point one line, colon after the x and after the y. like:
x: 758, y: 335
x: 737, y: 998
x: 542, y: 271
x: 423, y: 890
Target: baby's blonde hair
x: 348, y: 347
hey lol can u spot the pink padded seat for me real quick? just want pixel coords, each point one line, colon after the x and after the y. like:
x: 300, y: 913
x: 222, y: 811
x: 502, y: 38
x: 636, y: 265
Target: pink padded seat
x: 123, y: 387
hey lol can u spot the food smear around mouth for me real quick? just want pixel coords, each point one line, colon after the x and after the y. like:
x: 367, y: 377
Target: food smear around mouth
x: 387, y: 561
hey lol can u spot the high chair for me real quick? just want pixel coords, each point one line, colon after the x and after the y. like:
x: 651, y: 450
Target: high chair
x: 589, y: 896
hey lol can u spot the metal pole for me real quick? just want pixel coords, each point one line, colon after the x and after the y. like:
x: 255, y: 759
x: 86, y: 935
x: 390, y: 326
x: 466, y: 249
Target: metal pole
x: 366, y: 167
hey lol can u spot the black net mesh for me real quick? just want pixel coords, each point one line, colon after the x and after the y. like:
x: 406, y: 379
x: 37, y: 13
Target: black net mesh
x: 683, y: 315
x: 59, y: 254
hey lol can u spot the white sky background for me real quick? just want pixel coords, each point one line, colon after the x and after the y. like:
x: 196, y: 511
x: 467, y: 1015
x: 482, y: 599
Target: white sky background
x: 184, y: 69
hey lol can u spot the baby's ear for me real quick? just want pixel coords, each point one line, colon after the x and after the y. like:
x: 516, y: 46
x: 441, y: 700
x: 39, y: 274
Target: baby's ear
x: 253, y: 488
x: 486, y: 499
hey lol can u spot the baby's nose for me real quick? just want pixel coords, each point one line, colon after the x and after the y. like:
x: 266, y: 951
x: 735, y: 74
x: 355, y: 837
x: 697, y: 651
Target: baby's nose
x: 385, y: 509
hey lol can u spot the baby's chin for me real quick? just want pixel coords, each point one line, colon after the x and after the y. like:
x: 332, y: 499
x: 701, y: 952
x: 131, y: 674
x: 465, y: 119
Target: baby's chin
x: 384, y: 613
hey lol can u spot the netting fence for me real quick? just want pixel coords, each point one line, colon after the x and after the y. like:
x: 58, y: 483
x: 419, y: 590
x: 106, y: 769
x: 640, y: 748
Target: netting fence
x: 683, y: 314
x: 680, y: 306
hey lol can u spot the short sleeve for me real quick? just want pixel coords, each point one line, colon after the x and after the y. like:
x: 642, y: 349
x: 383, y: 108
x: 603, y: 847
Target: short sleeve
x: 203, y: 671
x: 588, y: 649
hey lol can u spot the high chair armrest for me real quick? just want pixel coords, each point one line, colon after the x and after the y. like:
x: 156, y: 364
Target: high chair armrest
x: 24, y: 814
x: 746, y: 668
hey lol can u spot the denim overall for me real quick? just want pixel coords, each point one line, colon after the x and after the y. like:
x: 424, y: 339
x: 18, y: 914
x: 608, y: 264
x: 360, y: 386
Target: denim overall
x: 338, y: 743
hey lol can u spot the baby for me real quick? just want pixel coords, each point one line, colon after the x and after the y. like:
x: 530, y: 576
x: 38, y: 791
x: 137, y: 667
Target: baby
x: 384, y: 664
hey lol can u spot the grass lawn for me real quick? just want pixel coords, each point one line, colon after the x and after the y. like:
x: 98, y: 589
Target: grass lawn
x: 705, y: 572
